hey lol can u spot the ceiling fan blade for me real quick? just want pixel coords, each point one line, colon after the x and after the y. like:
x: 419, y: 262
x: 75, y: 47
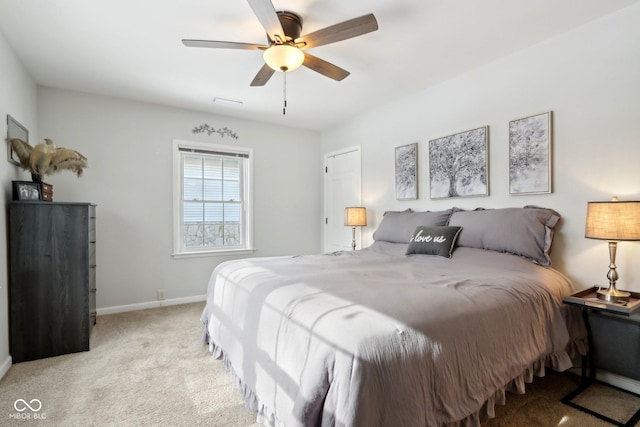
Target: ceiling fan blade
x: 268, y: 17
x: 263, y: 76
x: 222, y: 45
x: 342, y: 31
x: 325, y: 68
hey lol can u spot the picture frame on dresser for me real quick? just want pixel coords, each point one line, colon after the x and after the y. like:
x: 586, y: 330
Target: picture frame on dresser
x: 15, y: 130
x: 27, y: 191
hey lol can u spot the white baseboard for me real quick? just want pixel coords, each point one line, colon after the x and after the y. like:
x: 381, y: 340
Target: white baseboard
x: 624, y: 383
x: 150, y: 304
x: 4, y: 367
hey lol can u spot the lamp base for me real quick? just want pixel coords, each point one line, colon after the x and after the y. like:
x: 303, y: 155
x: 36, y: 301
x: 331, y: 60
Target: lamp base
x: 353, y: 238
x: 613, y: 295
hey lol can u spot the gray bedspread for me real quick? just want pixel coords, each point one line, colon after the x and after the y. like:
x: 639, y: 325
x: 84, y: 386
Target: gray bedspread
x: 378, y: 338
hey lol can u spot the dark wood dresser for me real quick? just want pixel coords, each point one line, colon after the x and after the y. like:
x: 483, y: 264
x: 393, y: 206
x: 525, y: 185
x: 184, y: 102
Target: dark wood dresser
x: 52, y: 278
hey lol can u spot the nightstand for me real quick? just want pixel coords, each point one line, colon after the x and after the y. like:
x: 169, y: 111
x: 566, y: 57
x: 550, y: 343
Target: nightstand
x: 614, y: 345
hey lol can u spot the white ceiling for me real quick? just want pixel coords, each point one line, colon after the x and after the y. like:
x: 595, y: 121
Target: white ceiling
x: 133, y: 49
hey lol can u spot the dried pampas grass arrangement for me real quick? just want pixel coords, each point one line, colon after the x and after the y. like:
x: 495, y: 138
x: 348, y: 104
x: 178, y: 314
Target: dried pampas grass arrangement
x: 47, y: 158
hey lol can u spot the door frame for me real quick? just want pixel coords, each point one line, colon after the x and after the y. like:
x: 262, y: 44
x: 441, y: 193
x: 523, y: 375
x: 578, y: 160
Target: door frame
x: 346, y: 150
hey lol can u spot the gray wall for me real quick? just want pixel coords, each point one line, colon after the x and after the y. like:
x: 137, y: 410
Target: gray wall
x: 588, y: 77
x: 129, y: 147
x: 18, y: 97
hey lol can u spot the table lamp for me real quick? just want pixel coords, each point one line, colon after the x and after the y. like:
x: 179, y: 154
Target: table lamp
x: 355, y: 217
x: 613, y: 221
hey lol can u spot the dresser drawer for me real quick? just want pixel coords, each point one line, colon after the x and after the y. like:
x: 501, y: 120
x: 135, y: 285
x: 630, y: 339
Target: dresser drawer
x: 92, y: 307
x: 92, y: 254
x: 92, y: 228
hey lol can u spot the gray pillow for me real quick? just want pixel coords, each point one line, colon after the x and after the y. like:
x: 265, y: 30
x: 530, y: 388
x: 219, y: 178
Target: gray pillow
x: 397, y: 227
x: 527, y: 231
x: 433, y: 241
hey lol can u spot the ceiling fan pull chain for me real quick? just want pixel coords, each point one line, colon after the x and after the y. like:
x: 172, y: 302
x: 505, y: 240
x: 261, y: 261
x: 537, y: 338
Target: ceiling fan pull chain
x: 284, y: 93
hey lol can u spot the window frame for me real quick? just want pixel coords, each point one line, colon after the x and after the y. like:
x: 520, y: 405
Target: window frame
x: 179, y: 250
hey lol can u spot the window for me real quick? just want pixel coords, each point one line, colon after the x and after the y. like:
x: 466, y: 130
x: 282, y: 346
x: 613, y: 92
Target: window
x: 212, y: 199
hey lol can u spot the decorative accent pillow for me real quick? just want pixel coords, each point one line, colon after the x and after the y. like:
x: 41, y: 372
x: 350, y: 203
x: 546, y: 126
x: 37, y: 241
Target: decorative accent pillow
x: 433, y: 241
x: 397, y: 227
x: 527, y: 231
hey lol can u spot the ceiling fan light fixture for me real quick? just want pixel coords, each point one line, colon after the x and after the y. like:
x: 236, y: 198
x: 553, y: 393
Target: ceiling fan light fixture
x: 283, y: 57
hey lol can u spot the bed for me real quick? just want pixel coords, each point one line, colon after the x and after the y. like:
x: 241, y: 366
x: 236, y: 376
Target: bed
x: 429, y: 326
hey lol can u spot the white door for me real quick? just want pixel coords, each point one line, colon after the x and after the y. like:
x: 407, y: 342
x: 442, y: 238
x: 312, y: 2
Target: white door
x: 343, y: 188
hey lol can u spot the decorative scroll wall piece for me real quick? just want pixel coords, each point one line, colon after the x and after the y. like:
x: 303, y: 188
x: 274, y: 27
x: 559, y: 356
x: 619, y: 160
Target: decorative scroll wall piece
x: 205, y: 128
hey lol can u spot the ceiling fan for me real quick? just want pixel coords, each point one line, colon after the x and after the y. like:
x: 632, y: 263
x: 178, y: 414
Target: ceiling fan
x: 284, y: 51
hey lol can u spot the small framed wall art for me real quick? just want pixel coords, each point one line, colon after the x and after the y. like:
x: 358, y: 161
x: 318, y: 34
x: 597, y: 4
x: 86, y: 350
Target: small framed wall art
x: 458, y: 164
x: 407, y: 172
x: 15, y: 130
x: 530, y: 154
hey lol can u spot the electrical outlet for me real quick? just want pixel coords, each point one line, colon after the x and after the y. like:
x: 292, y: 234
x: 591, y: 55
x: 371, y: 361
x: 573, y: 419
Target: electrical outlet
x: 160, y: 294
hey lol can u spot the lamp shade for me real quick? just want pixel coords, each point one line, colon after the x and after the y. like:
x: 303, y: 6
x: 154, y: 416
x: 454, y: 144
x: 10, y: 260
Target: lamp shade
x: 355, y: 216
x: 613, y: 220
x: 283, y: 57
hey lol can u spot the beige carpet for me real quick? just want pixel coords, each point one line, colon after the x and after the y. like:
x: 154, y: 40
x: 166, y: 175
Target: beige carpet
x: 149, y: 368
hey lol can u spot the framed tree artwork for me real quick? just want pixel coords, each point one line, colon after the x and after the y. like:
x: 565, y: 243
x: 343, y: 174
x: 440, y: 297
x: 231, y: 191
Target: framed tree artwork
x: 530, y: 155
x: 407, y: 172
x: 458, y: 165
